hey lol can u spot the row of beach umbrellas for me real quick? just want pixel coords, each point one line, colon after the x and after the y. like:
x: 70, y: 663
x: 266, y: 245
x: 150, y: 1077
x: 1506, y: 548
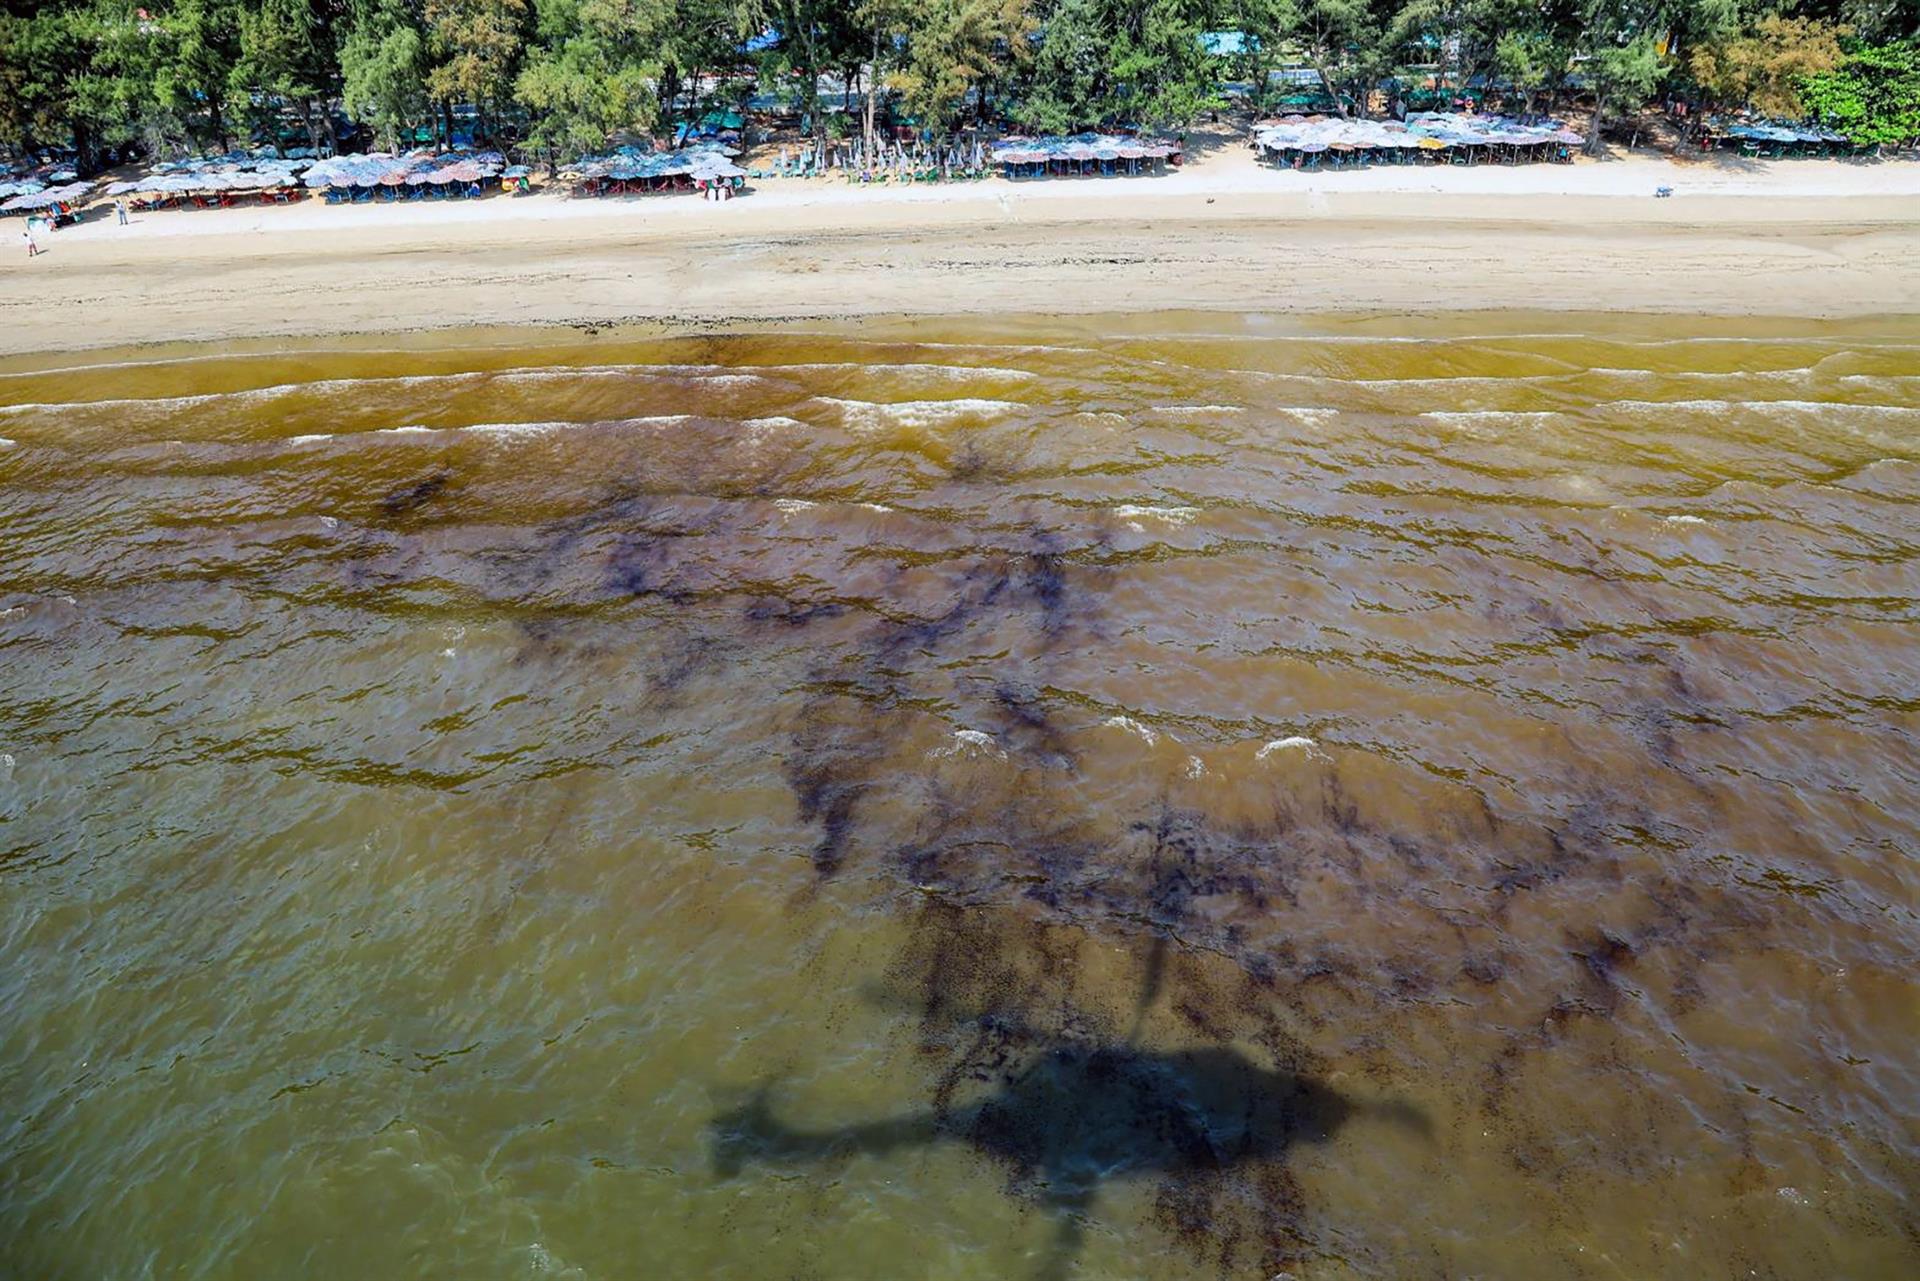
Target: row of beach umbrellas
x: 1425, y: 130
x: 628, y: 164
x: 1080, y: 147
x: 47, y: 196
x: 1772, y: 131
x: 415, y: 169
x: 31, y: 182
x: 180, y: 180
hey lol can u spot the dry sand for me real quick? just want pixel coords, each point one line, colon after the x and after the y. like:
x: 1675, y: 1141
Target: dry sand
x: 1803, y: 238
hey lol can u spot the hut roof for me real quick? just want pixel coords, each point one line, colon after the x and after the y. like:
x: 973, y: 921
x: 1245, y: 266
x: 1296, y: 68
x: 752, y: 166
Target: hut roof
x: 1431, y: 130
x: 1763, y: 130
x: 49, y: 196
x: 1083, y: 146
x: 704, y: 160
x: 381, y: 168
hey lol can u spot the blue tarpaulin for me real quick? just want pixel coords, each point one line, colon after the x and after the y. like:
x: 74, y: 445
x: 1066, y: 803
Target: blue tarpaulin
x: 1228, y: 44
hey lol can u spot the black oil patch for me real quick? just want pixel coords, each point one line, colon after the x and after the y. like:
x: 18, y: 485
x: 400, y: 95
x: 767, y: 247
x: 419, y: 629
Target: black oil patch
x: 405, y: 499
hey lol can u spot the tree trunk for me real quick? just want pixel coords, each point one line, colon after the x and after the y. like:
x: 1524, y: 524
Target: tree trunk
x: 1326, y: 82
x: 873, y: 89
x: 446, y: 120
x: 312, y: 122
x: 1599, y: 119
x: 85, y: 161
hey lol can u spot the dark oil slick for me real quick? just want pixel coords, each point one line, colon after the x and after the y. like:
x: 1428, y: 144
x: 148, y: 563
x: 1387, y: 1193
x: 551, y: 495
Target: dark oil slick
x: 1172, y: 797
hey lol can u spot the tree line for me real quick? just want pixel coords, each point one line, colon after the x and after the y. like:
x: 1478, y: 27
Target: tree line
x: 560, y: 77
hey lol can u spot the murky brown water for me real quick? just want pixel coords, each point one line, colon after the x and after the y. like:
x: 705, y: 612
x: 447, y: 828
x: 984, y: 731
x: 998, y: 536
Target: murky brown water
x: 1163, y: 798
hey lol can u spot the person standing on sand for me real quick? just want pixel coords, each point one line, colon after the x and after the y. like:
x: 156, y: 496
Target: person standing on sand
x: 120, y: 211
x: 33, y: 246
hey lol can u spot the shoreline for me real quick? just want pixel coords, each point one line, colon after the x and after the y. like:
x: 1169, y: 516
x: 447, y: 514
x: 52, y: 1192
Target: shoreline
x: 1224, y: 236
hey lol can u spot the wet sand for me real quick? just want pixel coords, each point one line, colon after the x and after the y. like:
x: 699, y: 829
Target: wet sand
x: 1472, y: 243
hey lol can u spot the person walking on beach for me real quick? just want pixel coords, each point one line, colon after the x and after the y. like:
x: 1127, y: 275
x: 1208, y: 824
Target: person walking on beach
x: 120, y: 211
x: 33, y: 246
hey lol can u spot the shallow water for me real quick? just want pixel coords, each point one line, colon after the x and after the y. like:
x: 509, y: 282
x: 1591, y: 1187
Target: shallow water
x: 1172, y: 797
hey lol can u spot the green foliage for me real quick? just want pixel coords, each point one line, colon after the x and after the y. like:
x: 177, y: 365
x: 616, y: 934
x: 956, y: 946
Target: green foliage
x: 1104, y: 62
x: 383, y: 68
x: 1626, y: 72
x: 476, y: 45
x: 1764, y: 65
x: 592, y: 70
x: 947, y: 49
x: 212, y: 72
x: 44, y: 53
x: 1873, y: 96
x: 1531, y: 61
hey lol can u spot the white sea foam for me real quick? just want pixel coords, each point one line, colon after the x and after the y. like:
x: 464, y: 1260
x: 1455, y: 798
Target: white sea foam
x: 1312, y: 415
x: 789, y: 506
x: 1168, y: 515
x: 1459, y: 380
x: 971, y: 742
x: 510, y: 430
x: 1879, y: 379
x: 709, y: 375
x: 1131, y: 726
x: 240, y: 394
x: 1197, y: 409
x: 1756, y: 406
x: 1684, y: 520
x: 874, y: 416
x: 1491, y: 415
x: 7, y: 444
x: 314, y: 439
x: 1295, y: 743
x: 1196, y: 768
x: 1743, y: 376
x: 941, y: 373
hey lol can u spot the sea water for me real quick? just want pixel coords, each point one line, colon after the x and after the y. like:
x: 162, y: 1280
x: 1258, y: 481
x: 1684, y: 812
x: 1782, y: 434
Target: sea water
x: 1123, y: 797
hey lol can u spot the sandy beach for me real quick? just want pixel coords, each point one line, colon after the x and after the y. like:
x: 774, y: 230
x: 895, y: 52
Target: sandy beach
x: 1809, y: 238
